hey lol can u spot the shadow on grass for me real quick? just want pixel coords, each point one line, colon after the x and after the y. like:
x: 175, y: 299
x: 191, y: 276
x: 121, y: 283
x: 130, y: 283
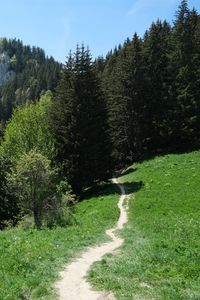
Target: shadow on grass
x: 106, y: 189
x: 132, y: 187
x: 103, y: 189
x: 129, y: 171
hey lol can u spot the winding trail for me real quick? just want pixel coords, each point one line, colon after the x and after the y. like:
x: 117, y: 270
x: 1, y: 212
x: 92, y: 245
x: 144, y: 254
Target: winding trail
x: 73, y: 285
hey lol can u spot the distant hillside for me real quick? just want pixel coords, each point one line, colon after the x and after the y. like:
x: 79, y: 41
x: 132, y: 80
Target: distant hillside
x: 25, y: 73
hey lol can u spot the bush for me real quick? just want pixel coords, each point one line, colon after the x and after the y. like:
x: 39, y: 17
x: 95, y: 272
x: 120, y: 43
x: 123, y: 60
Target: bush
x: 33, y: 181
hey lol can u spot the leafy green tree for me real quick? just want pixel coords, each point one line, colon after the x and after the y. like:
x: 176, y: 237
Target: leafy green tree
x: 28, y: 129
x: 31, y: 181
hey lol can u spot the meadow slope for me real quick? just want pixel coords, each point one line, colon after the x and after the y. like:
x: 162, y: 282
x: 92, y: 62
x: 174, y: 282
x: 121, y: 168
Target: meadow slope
x: 160, y: 258
x: 30, y: 260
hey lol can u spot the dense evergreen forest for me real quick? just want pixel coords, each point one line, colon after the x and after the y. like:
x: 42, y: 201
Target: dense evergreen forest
x: 94, y: 117
x: 152, y: 89
x: 25, y: 74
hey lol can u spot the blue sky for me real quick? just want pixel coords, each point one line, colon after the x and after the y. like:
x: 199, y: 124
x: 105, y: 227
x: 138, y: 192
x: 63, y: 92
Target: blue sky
x: 58, y: 25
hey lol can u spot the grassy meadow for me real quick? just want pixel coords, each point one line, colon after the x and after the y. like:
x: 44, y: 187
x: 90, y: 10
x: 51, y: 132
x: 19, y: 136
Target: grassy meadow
x: 31, y: 259
x: 160, y: 258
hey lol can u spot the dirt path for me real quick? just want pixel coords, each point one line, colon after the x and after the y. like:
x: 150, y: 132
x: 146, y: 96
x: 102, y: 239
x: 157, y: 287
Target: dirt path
x: 73, y: 285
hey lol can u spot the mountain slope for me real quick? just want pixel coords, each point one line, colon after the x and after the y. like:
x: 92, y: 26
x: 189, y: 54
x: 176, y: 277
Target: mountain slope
x: 25, y: 74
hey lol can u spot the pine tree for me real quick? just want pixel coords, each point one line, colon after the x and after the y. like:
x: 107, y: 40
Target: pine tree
x: 126, y: 90
x: 138, y: 82
x: 79, y: 123
x: 156, y: 49
x: 186, y: 69
x: 117, y: 102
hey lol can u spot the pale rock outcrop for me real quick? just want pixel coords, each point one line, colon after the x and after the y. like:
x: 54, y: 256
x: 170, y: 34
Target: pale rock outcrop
x: 5, y: 74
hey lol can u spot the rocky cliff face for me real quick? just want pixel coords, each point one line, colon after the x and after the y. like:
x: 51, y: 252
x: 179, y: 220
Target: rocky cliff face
x: 5, y: 74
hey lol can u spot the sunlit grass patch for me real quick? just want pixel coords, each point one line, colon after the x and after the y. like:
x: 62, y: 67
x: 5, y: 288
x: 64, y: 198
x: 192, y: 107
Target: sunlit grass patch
x: 160, y: 258
x: 31, y: 259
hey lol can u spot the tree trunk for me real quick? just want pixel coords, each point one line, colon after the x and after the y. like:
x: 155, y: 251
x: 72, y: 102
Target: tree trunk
x: 37, y: 218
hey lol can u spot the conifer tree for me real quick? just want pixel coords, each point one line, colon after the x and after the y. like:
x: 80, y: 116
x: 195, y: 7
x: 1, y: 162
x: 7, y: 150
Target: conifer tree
x: 126, y: 101
x: 138, y: 83
x: 117, y: 102
x: 186, y: 69
x: 156, y: 51
x: 79, y: 123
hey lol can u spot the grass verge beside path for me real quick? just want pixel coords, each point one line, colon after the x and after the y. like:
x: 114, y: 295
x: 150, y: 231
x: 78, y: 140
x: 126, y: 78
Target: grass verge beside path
x: 160, y: 258
x: 30, y: 260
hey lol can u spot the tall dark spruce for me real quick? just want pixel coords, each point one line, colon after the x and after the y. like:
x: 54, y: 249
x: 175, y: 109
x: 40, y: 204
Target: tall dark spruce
x: 186, y: 65
x: 157, y: 96
x: 124, y: 82
x: 79, y: 123
x: 117, y: 102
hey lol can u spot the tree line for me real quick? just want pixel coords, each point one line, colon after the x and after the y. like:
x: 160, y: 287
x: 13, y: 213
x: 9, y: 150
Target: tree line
x: 141, y: 100
x: 152, y: 89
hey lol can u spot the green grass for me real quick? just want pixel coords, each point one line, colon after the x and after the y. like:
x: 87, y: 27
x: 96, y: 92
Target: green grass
x: 30, y: 260
x: 160, y: 258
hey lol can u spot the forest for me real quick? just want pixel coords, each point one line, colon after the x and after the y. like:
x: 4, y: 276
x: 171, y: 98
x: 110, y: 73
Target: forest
x: 65, y: 128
